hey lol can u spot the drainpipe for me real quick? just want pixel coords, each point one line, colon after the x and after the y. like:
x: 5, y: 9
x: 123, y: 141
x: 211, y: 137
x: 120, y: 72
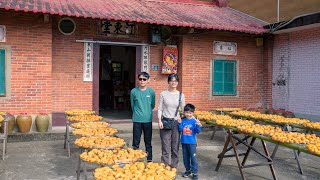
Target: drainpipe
x: 278, y: 11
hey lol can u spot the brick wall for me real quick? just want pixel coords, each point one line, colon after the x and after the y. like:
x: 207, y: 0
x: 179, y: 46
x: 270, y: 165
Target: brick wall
x: 300, y: 51
x: 30, y: 40
x: 267, y: 71
x: 51, y: 70
x: 196, y: 56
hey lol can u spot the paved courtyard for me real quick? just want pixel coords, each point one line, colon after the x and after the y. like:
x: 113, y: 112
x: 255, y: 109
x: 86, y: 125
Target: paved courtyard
x: 47, y: 160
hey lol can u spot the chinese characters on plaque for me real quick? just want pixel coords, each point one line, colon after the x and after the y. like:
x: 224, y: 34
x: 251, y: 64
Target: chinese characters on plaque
x: 87, y: 63
x: 170, y: 60
x: 117, y: 28
x: 224, y: 48
x: 145, y: 59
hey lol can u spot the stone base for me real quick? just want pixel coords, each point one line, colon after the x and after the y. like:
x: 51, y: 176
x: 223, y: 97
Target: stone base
x: 34, y: 136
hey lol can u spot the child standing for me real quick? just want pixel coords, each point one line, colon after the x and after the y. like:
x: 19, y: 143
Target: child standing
x: 189, y: 126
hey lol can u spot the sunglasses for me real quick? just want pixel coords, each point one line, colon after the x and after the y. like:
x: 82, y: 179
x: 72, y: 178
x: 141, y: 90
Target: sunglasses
x: 143, y: 79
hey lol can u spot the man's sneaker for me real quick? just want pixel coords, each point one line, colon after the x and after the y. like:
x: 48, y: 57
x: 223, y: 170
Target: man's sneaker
x: 186, y: 174
x: 195, y: 177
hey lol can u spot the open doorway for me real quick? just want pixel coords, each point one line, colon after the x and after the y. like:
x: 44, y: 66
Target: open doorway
x: 116, y: 79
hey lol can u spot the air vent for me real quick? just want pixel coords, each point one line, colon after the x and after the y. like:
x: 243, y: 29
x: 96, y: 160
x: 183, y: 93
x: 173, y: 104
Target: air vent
x: 67, y: 26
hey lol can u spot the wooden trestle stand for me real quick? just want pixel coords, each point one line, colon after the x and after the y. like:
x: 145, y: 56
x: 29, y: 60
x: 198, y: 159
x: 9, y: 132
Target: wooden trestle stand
x: 231, y: 139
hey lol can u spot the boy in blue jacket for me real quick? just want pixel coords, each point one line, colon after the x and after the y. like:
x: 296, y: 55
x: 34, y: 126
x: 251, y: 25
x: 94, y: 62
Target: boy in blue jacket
x: 189, y: 126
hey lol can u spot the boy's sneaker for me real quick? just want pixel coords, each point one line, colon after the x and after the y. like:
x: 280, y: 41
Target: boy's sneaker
x: 186, y: 174
x: 195, y: 177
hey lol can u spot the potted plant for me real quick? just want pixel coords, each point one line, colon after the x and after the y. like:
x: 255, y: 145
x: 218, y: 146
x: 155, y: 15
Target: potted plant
x: 42, y: 122
x: 24, y: 122
x: 11, y: 122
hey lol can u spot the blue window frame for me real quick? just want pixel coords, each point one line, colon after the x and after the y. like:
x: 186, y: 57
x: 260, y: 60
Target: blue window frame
x: 224, y: 78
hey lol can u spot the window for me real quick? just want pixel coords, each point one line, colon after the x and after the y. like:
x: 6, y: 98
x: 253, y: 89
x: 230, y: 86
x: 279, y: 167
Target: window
x: 5, y: 65
x: 224, y: 78
x: 2, y: 72
x: 67, y: 26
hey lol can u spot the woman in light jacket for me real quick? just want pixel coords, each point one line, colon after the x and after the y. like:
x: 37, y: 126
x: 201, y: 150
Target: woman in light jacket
x: 168, y: 103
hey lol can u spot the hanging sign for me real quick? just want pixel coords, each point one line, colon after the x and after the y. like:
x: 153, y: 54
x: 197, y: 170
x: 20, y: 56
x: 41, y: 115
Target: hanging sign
x: 2, y: 33
x: 170, y: 60
x: 87, y: 63
x: 117, y: 28
x: 224, y: 48
x: 145, y: 59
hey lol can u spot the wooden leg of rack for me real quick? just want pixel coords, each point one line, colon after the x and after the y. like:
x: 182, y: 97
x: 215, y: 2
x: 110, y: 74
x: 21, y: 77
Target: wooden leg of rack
x: 248, y: 152
x: 221, y: 155
x: 237, y: 157
x: 270, y: 165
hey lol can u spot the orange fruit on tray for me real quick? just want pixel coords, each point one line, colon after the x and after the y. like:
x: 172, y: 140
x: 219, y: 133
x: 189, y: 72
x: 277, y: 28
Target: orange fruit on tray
x: 95, y: 131
x: 122, y: 156
x: 89, y: 118
x: 103, y: 142
x: 95, y: 124
x: 137, y: 170
x: 75, y: 112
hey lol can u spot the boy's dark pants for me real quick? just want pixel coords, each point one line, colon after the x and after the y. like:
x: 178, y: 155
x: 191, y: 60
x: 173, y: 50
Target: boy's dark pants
x: 190, y: 157
x: 146, y: 128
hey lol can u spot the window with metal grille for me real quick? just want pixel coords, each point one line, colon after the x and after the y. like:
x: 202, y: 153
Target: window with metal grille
x: 224, y: 78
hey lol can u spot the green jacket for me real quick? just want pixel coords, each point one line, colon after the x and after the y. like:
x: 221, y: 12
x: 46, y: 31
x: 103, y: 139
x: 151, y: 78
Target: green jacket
x: 142, y: 104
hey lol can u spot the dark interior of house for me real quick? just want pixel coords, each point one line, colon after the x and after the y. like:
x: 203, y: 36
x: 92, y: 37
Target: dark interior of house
x: 117, y: 76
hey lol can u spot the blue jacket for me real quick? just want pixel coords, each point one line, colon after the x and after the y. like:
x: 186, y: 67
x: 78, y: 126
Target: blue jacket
x: 189, y: 129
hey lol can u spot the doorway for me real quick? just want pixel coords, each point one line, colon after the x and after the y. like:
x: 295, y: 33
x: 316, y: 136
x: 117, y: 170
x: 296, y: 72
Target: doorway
x: 116, y: 79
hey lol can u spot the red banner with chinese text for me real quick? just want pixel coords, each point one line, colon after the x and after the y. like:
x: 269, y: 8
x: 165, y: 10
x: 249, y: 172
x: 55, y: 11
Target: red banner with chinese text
x: 170, y: 60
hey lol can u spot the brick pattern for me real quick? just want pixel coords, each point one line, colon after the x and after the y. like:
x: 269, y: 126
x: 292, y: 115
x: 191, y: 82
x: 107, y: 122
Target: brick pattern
x: 301, y: 49
x: 197, y: 53
x: 31, y: 79
x: 70, y: 91
x: 267, y: 71
x: 281, y: 56
x: 51, y: 69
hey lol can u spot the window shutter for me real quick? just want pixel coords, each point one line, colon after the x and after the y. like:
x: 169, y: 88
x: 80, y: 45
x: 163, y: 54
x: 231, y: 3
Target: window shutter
x: 230, y: 77
x: 218, y: 78
x: 224, y: 77
x: 2, y: 71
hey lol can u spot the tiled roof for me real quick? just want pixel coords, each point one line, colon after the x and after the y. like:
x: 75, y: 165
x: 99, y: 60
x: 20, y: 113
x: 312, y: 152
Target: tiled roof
x: 187, y: 13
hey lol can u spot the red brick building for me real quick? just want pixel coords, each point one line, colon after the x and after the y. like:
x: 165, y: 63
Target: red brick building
x: 221, y: 61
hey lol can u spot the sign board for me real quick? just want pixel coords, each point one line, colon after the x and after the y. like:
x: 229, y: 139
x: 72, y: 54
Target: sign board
x: 117, y: 28
x: 2, y: 33
x: 155, y: 67
x: 145, y: 59
x: 87, y: 63
x: 224, y: 48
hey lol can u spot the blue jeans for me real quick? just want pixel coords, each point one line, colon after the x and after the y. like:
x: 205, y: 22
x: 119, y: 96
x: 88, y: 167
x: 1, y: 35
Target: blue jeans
x: 190, y: 157
x: 146, y: 128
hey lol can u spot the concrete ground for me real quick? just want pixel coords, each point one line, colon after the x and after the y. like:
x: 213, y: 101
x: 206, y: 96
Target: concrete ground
x: 47, y: 160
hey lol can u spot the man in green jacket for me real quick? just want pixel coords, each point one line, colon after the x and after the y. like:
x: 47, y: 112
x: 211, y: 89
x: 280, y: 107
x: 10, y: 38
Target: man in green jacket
x: 142, y: 103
